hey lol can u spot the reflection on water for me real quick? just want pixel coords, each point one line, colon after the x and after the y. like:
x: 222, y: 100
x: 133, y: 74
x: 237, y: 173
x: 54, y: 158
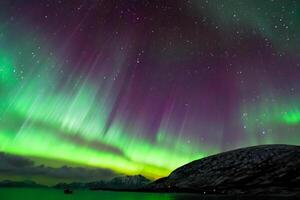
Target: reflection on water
x: 54, y: 194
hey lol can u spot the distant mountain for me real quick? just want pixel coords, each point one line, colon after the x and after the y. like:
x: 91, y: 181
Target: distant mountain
x: 118, y: 183
x: 26, y: 183
x: 75, y: 185
x: 266, y: 169
x: 130, y: 182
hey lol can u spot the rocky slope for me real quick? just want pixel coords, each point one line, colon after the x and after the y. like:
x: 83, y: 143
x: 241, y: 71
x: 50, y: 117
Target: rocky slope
x: 266, y: 169
x: 129, y: 182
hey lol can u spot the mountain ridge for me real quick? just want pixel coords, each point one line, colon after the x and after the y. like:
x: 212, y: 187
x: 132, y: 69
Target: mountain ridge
x: 250, y: 170
x: 117, y: 183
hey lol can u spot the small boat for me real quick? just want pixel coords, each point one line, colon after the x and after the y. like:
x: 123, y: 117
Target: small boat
x: 68, y: 191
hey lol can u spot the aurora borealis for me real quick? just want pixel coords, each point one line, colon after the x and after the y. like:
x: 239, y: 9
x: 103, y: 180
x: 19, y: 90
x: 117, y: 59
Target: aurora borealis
x: 143, y: 87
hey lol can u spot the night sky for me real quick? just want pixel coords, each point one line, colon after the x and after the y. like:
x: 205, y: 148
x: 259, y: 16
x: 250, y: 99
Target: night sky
x: 145, y: 86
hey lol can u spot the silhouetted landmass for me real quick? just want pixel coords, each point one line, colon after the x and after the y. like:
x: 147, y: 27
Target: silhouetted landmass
x: 118, y: 183
x: 75, y: 185
x: 266, y: 169
x: 260, y: 170
x: 31, y: 184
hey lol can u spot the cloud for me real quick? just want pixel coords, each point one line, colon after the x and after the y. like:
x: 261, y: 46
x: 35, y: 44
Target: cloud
x: 96, y: 145
x: 21, y: 166
x: 11, y: 161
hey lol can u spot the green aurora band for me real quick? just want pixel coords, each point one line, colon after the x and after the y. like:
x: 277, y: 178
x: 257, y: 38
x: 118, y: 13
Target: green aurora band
x: 41, y: 118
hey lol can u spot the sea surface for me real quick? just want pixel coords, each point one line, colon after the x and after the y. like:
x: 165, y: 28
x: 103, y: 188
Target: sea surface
x: 56, y: 194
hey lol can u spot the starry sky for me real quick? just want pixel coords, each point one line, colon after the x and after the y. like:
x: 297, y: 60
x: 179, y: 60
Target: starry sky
x: 143, y: 87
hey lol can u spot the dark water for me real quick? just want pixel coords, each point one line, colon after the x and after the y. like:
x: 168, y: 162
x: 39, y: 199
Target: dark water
x: 55, y: 194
